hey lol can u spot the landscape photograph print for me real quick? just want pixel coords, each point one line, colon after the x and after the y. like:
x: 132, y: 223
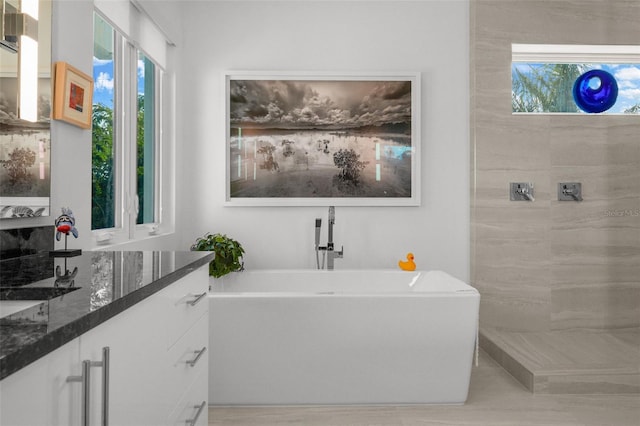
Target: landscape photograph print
x: 321, y: 139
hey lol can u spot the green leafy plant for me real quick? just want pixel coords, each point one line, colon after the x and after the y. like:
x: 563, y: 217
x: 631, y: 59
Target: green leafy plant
x: 228, y: 252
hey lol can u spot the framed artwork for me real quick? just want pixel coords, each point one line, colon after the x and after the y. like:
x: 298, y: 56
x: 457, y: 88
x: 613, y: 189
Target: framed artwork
x: 72, y: 95
x: 295, y: 139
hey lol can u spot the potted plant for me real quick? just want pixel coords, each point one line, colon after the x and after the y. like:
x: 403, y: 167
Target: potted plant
x: 228, y: 252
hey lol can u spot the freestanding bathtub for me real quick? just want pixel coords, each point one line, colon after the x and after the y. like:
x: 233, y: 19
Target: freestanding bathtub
x: 341, y: 337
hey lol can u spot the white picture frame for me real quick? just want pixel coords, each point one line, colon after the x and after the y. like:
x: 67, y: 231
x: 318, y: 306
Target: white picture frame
x: 322, y: 139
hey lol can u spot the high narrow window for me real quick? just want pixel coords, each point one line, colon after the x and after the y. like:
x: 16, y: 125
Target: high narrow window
x: 146, y: 139
x: 103, y: 193
x: 575, y: 79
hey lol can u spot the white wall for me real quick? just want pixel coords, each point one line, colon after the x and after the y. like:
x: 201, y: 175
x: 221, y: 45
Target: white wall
x: 72, y: 42
x: 426, y: 36
x: 70, y: 145
x: 215, y: 36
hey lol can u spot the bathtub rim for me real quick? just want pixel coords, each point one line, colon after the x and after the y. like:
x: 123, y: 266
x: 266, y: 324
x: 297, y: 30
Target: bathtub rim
x: 216, y: 285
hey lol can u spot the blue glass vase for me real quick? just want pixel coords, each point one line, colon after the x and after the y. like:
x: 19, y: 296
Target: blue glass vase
x: 595, y: 91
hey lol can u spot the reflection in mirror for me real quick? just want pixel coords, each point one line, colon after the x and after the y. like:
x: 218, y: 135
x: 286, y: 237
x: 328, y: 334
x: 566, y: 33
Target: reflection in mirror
x: 25, y: 146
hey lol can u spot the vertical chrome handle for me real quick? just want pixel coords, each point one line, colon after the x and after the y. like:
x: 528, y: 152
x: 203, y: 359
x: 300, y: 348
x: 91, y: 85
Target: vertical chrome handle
x: 104, y: 415
x: 105, y: 385
x: 85, y: 379
x: 197, y: 299
x: 199, y: 353
x: 192, y: 422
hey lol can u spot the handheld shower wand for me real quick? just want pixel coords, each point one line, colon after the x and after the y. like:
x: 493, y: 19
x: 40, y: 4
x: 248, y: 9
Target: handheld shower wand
x: 318, y: 226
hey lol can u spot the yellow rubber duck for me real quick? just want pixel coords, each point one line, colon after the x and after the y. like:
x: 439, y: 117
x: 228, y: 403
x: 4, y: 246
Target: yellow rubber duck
x: 409, y: 265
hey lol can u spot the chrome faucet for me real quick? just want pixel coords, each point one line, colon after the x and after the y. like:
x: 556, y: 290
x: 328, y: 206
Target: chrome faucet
x: 331, y: 253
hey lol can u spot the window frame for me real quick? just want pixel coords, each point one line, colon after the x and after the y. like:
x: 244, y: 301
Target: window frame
x: 144, y: 229
x: 126, y: 202
x: 561, y: 54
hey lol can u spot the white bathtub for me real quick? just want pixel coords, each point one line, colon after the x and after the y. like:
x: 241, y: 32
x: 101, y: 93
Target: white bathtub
x: 341, y: 337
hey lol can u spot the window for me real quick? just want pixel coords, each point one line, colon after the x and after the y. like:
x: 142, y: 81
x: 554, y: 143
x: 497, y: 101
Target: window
x: 103, y: 189
x: 126, y: 141
x: 575, y: 79
x: 146, y: 140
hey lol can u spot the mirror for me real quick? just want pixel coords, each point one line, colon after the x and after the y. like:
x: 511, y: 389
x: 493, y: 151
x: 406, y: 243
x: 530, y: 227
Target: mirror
x: 25, y: 146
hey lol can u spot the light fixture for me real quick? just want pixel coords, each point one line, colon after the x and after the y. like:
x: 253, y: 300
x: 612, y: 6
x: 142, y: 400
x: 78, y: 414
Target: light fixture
x: 20, y: 34
x: 28, y: 63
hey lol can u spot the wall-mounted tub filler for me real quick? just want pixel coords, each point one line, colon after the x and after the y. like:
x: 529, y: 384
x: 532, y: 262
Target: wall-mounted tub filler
x: 327, y: 250
x: 569, y: 191
x: 521, y: 191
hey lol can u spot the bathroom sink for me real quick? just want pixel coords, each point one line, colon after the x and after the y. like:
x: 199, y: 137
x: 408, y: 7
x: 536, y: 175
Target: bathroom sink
x: 33, y: 293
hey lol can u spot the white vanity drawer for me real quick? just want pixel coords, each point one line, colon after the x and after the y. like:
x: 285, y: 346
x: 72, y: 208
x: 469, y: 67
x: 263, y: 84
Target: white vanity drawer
x: 186, y: 301
x: 193, y: 404
x: 189, y: 357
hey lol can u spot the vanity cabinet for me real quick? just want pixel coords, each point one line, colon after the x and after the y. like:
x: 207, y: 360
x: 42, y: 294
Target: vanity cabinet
x: 136, y: 362
x: 155, y: 364
x: 188, y: 376
x: 39, y: 393
x: 152, y: 355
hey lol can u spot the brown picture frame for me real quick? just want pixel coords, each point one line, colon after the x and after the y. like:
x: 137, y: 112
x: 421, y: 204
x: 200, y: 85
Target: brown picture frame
x: 72, y: 96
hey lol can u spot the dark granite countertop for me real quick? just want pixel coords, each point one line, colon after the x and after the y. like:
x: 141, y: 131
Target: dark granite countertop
x: 77, y: 294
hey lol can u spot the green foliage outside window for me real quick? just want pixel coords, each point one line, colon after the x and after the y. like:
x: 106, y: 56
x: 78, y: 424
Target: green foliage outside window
x: 548, y: 88
x: 102, y: 168
x: 140, y: 163
x: 103, y: 188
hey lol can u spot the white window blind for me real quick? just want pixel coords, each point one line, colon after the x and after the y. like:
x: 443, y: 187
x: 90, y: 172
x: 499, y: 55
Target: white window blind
x: 133, y: 22
x: 575, y: 53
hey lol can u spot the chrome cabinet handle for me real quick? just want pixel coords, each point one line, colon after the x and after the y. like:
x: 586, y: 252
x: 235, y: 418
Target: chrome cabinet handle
x: 85, y: 379
x: 197, y: 299
x: 105, y: 384
x: 192, y: 422
x: 199, y: 353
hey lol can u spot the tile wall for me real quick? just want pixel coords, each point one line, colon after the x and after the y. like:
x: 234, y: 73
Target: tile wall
x: 550, y: 265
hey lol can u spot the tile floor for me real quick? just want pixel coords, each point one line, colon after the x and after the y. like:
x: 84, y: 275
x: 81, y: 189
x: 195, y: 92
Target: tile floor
x: 495, y: 399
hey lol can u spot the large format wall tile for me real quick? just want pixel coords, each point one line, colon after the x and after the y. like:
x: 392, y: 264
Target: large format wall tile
x: 551, y: 265
x: 602, y: 305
